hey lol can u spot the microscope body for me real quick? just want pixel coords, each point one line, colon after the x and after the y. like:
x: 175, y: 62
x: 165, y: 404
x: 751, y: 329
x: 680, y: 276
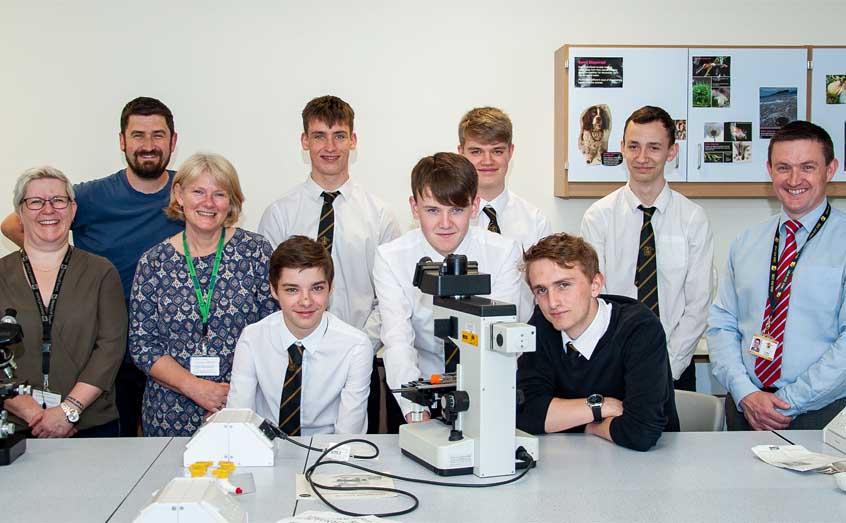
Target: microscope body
x: 476, y: 432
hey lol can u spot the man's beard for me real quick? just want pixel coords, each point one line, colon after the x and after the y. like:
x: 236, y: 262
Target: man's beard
x: 148, y: 170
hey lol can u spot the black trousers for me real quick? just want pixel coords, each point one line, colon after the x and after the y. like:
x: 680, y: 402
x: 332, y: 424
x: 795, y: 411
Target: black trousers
x: 393, y: 414
x: 687, y: 380
x: 811, y: 420
x: 129, y: 394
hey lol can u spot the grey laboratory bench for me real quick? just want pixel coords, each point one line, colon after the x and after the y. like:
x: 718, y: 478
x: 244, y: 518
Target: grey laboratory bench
x: 708, y: 476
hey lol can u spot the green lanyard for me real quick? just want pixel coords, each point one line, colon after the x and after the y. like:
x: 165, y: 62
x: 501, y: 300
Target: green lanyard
x: 204, y: 299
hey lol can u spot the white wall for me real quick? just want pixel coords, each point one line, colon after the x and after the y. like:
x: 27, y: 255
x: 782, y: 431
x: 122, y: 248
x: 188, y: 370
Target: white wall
x: 238, y: 77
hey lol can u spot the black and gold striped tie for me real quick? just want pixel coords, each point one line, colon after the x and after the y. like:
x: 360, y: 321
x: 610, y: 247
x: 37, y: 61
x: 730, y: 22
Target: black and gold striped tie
x: 289, y: 409
x: 452, y: 356
x: 326, y: 227
x: 646, y: 273
x: 493, y: 225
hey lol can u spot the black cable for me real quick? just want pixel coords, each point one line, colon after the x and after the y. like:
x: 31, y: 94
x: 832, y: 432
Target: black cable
x: 522, y: 455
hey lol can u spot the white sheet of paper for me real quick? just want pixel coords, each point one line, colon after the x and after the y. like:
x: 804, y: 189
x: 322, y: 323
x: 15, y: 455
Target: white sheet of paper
x: 794, y: 457
x: 205, y: 365
x: 50, y: 398
x: 354, y: 479
x: 316, y: 516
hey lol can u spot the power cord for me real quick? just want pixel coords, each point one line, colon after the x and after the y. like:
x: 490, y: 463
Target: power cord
x: 521, y: 454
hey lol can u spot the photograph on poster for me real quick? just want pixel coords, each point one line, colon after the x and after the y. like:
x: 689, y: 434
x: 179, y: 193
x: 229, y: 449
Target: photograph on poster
x: 777, y: 107
x: 717, y: 152
x: 598, y: 72
x: 711, y: 84
x: 738, y: 131
x: 730, y: 142
x: 595, y: 130
x: 741, y: 152
x: 835, y: 89
x: 681, y: 129
x: 714, y: 131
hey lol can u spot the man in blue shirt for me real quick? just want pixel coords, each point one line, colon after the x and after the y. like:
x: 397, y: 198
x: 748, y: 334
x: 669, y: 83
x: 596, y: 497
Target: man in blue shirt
x: 120, y: 216
x: 777, y: 331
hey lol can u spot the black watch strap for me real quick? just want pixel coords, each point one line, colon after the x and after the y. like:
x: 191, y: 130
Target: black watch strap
x: 597, y: 413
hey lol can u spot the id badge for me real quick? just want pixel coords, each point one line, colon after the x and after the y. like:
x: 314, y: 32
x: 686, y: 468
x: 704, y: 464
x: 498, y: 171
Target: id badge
x: 205, y: 365
x: 51, y: 399
x: 763, y: 346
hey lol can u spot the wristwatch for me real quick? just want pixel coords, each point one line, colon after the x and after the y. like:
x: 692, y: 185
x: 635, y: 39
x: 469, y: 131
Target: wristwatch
x: 71, y: 412
x: 594, y: 401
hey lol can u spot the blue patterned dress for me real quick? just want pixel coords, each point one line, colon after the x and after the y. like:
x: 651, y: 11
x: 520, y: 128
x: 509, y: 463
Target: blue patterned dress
x: 165, y: 320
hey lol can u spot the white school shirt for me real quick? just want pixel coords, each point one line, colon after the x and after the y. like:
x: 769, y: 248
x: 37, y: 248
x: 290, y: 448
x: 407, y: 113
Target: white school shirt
x: 518, y: 219
x: 587, y: 341
x: 362, y: 223
x: 337, y: 361
x: 522, y: 222
x: 411, y: 349
x: 685, y: 256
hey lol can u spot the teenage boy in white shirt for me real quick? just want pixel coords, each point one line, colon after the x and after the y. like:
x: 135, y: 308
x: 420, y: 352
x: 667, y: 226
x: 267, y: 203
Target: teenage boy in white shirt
x: 303, y: 367
x: 651, y: 241
x: 444, y: 199
x: 484, y: 138
x: 348, y: 220
x: 359, y: 222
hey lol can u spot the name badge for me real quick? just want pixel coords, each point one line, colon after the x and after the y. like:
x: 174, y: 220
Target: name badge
x: 205, y: 365
x: 51, y: 399
x: 763, y: 346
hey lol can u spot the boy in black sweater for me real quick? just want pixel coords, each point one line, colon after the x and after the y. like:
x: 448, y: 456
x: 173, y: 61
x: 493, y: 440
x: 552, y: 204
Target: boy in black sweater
x: 601, y: 363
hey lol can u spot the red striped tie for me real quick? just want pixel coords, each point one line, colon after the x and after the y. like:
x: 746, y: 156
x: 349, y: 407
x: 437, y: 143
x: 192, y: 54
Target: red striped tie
x: 770, y: 371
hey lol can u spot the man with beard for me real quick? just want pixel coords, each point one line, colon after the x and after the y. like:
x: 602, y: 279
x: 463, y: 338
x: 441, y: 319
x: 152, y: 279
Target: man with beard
x: 120, y: 216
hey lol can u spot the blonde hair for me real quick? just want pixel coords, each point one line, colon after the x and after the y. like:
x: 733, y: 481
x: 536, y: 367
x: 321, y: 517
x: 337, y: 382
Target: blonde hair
x: 486, y: 124
x: 221, y: 171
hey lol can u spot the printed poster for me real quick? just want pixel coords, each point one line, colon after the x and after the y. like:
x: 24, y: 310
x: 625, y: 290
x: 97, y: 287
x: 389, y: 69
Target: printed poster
x: 728, y: 142
x: 777, y: 107
x: 711, y: 85
x: 598, y: 72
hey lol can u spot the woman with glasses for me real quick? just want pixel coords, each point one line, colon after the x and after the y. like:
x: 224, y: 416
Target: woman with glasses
x: 70, y: 306
x: 191, y: 297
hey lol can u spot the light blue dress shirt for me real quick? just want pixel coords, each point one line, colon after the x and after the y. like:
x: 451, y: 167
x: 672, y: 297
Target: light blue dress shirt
x: 813, y: 368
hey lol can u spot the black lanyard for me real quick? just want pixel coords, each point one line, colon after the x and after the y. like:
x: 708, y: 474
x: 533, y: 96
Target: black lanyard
x: 46, y: 314
x: 776, y: 292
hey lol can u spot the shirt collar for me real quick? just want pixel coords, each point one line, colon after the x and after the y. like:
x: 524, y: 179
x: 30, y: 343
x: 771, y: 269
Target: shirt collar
x: 808, y: 221
x: 310, y: 343
x: 586, y: 343
x: 314, y: 190
x: 661, y: 203
x: 499, y: 203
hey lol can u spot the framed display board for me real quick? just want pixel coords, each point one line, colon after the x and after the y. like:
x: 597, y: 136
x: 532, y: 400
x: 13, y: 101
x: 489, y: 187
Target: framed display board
x: 727, y: 103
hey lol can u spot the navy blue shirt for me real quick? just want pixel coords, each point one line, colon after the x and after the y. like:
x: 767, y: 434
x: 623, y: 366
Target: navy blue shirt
x: 117, y: 222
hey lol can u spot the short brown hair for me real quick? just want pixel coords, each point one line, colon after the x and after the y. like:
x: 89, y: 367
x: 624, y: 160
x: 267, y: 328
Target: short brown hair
x: 486, y: 124
x: 300, y: 252
x: 566, y: 251
x: 802, y: 130
x: 649, y: 114
x: 145, y: 106
x: 221, y: 171
x: 450, y: 178
x: 329, y: 110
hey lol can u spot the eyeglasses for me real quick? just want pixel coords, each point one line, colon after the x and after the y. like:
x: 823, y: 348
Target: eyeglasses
x: 58, y: 202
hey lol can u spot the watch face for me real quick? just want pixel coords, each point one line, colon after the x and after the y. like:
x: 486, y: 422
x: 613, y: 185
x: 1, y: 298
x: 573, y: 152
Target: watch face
x: 594, y: 399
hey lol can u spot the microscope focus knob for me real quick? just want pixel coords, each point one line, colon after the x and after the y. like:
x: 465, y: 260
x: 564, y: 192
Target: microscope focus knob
x: 456, y: 401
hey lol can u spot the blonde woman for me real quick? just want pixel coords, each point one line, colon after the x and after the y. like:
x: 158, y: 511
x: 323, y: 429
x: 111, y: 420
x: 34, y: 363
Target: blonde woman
x: 191, y: 297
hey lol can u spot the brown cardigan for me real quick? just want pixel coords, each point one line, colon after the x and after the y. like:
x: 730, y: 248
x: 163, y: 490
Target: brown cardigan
x: 89, y: 330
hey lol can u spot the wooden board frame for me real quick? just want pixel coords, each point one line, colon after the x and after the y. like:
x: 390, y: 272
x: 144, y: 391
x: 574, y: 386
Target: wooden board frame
x: 567, y: 189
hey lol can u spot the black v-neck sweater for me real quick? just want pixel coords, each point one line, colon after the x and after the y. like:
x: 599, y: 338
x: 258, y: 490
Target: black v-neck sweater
x: 630, y: 363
